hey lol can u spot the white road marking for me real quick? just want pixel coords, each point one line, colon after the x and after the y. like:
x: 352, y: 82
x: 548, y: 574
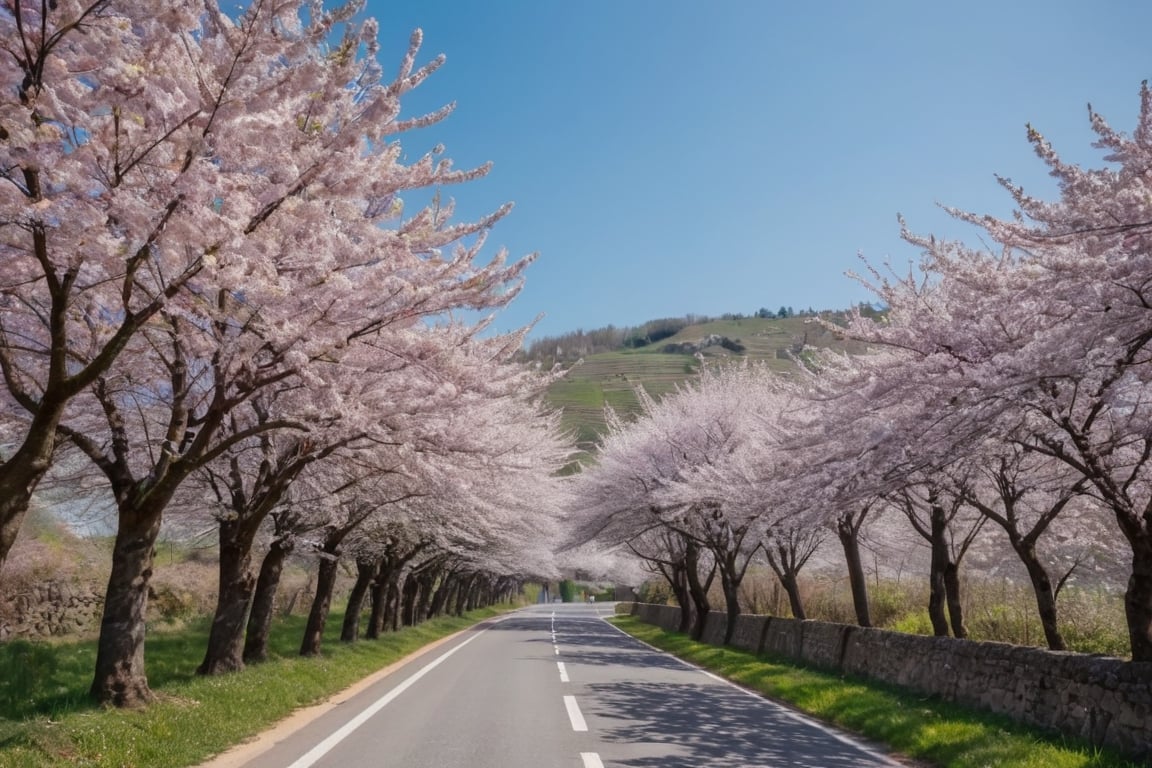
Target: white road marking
x: 337, y: 736
x: 563, y: 672
x: 591, y: 760
x: 574, y: 715
x: 557, y: 649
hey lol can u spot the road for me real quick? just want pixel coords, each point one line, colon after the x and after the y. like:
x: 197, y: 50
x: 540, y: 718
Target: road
x: 556, y: 685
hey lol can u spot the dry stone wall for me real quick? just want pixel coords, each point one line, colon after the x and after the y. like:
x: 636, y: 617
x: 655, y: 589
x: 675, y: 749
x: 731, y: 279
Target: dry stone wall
x: 48, y: 609
x: 1103, y: 700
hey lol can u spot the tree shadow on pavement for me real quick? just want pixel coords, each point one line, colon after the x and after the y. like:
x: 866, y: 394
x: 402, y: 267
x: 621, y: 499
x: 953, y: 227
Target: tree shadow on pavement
x: 698, y: 725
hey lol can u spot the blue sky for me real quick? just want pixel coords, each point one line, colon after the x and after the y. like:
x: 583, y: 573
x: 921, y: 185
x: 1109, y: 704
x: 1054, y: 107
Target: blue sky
x: 708, y: 156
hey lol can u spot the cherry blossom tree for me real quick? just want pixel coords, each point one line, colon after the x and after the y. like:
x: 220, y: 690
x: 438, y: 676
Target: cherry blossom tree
x: 839, y: 455
x: 788, y: 548
x: 1043, y: 342
x: 709, y: 462
x: 368, y: 399
x: 475, y: 476
x: 1024, y: 493
x: 101, y: 221
x: 614, y: 502
x: 239, y: 180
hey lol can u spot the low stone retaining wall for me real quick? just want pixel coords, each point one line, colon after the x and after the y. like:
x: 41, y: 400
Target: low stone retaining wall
x: 49, y: 609
x: 1103, y: 700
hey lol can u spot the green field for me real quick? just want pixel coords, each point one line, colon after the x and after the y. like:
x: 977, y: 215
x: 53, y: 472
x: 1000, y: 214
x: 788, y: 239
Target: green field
x: 611, y: 378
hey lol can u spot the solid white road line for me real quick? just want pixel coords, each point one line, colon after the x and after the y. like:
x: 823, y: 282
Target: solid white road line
x: 309, y: 758
x: 574, y: 715
x: 563, y: 672
x: 591, y: 760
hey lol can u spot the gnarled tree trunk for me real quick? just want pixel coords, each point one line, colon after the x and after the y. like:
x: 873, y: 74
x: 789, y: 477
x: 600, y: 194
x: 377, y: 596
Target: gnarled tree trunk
x: 264, y: 601
x: 120, y: 678
x: 225, y: 651
x: 367, y: 570
x: 848, y: 531
x: 22, y: 472
x: 937, y: 590
x: 698, y: 588
x: 322, y: 602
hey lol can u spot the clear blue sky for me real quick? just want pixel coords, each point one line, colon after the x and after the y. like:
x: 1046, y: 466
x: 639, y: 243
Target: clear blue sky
x: 710, y: 156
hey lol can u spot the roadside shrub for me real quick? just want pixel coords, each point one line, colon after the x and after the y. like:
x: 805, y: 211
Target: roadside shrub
x: 913, y: 624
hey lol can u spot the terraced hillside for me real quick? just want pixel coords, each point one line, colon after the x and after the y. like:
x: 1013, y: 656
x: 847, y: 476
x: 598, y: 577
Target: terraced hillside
x: 611, y: 378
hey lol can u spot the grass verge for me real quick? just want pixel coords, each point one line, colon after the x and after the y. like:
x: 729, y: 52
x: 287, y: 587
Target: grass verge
x: 933, y: 731
x: 52, y: 723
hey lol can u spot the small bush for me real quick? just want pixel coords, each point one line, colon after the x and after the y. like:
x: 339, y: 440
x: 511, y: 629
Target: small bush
x: 889, y: 602
x: 655, y: 592
x: 914, y: 624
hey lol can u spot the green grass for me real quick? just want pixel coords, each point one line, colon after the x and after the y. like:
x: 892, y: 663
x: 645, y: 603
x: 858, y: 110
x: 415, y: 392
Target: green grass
x: 942, y: 734
x: 611, y: 377
x: 50, y: 722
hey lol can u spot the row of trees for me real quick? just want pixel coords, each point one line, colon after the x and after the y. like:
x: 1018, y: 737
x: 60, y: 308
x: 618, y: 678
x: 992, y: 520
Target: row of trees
x: 212, y: 293
x: 1009, y: 385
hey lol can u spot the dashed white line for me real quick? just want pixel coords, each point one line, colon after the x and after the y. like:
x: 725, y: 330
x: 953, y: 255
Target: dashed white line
x: 557, y: 649
x: 574, y: 715
x: 591, y: 760
x: 563, y: 672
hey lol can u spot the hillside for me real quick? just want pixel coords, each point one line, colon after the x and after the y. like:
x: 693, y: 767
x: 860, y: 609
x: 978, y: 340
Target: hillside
x: 611, y: 378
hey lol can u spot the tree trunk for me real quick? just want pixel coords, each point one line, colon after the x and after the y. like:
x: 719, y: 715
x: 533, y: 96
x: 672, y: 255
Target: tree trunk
x: 698, y: 589
x: 791, y: 586
x: 730, y: 578
x: 475, y: 594
x: 1045, y: 595
x: 120, y: 679
x: 441, y: 596
x: 264, y: 602
x: 366, y: 572
x: 321, y: 603
x: 1138, y: 596
x: 786, y: 564
x: 462, y: 595
x: 408, y: 604
x: 377, y: 619
x: 225, y: 651
x: 472, y: 596
x: 450, y: 598
x: 952, y: 595
x: 20, y: 474
x: 937, y: 592
x: 850, y: 541
x: 678, y: 583
x: 423, y: 605
x: 393, y: 604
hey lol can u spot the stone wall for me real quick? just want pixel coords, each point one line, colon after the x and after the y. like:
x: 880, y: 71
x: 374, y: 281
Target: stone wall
x: 1105, y: 701
x: 49, y: 609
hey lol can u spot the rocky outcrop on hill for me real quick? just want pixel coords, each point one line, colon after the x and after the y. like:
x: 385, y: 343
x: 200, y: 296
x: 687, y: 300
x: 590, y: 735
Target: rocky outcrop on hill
x: 711, y: 340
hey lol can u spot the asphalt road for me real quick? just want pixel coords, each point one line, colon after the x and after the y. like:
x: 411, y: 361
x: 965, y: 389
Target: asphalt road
x: 555, y: 685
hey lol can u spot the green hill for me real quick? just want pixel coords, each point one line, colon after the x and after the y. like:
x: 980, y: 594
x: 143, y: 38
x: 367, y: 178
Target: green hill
x: 611, y: 378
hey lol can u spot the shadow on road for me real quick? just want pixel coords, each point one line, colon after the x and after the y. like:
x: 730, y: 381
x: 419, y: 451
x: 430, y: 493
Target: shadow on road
x: 706, y: 726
